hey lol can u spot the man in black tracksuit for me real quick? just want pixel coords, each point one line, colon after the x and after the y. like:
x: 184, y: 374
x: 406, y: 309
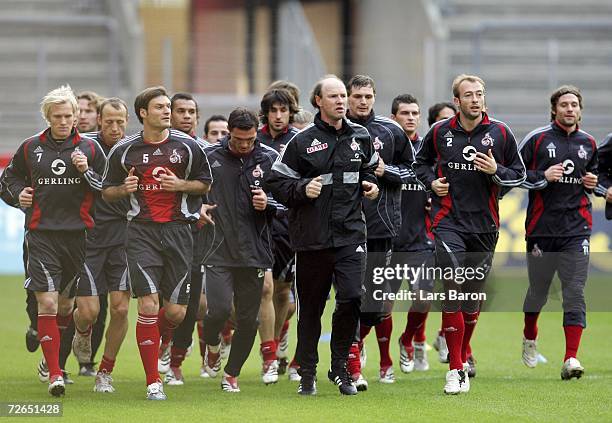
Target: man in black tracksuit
x: 561, y: 162
x: 238, y: 240
x: 322, y: 176
x: 383, y: 216
x: 465, y: 160
x: 604, y: 186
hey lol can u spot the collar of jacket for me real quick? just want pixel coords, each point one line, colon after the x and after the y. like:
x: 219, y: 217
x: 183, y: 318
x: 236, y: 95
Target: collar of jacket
x: 365, y: 121
x: 559, y: 129
x: 266, y: 130
x: 455, y: 123
x: 74, y: 137
x: 346, y: 128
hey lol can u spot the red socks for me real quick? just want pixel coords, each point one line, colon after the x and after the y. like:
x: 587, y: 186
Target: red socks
x: 63, y: 321
x: 268, y: 350
x: 177, y: 355
x: 147, y: 337
x: 106, y: 365
x: 353, y: 364
x: 383, y: 336
x: 49, y: 337
x: 469, y: 321
x: 530, y: 330
x: 166, y: 327
x: 453, y: 326
x: 414, y: 323
x: 572, y: 340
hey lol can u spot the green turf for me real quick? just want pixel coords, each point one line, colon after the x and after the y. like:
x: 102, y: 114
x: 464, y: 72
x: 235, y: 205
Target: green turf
x: 504, y: 389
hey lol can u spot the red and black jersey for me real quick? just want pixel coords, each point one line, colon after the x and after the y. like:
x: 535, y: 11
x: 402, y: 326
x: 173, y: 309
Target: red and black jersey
x: 384, y: 214
x: 563, y: 208
x: 178, y: 153
x: 63, y: 196
x: 449, y: 151
x: 415, y: 230
x: 281, y: 140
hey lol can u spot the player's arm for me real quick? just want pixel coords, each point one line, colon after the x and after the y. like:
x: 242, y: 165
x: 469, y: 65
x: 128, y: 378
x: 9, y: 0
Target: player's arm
x: 590, y: 178
x: 15, y: 182
x: 117, y: 183
x: 198, y: 181
x: 535, y: 178
x: 512, y: 173
x: 93, y: 173
x: 400, y: 172
x: 285, y: 181
x: 425, y: 160
x: 604, y: 169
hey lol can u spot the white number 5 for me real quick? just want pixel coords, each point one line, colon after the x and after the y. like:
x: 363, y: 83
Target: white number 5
x: 145, y: 158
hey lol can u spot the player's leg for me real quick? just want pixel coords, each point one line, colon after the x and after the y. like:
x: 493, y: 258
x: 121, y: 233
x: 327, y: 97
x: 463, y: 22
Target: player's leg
x: 97, y: 333
x: 267, y: 349
x: 282, y: 294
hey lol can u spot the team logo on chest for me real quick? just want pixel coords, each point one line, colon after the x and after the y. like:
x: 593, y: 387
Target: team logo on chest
x: 355, y: 145
x: 316, y: 145
x: 175, y: 157
x: 582, y: 153
x: 487, y: 140
x: 378, y: 144
x: 257, y: 172
x: 552, y: 150
x: 58, y: 167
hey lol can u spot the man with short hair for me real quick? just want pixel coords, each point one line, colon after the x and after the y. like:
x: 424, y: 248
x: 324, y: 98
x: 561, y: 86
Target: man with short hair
x: 238, y: 237
x: 105, y: 269
x: 322, y: 176
x: 383, y: 218
x: 88, y: 111
x: 414, y: 243
x: 276, y: 114
x: 465, y: 161
x: 53, y: 175
x: 215, y: 128
x: 561, y: 164
x: 164, y: 173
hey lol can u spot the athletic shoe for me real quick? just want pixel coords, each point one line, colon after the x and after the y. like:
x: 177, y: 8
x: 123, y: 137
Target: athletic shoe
x: 163, y: 362
x: 174, y: 377
x: 226, y: 346
x: 43, y: 371
x: 293, y: 375
x: 406, y: 357
x: 571, y: 368
x: 440, y: 346
x: 155, y: 392
x: 87, y: 370
x: 360, y: 382
x: 57, y: 388
x: 203, y: 373
x: 104, y: 383
x: 342, y: 379
x: 67, y: 379
x: 269, y: 372
x: 530, y: 353
x: 363, y: 355
x: 282, y: 365
x: 31, y: 338
x: 229, y: 383
x: 454, y: 381
x: 465, y: 386
x: 213, y: 362
x: 421, y: 364
x: 308, y: 385
x: 283, y: 346
x: 81, y: 347
x: 471, y: 370
x: 387, y: 375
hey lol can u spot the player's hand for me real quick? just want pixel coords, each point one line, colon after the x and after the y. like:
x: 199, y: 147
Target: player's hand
x: 206, y: 215
x: 440, y: 186
x: 79, y: 160
x: 313, y: 189
x: 370, y: 190
x: 485, y: 162
x: 26, y: 197
x: 554, y: 173
x: 589, y: 180
x: 130, y: 182
x: 609, y: 195
x: 171, y: 182
x: 260, y: 199
x: 380, y: 169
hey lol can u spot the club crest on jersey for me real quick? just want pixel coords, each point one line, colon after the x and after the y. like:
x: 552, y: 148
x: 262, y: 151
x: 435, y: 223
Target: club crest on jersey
x: 316, y: 145
x: 175, y: 157
x: 552, y: 150
x: 355, y: 145
x: 582, y: 153
x: 378, y: 144
x: 487, y: 140
x: 257, y: 172
x: 536, y: 251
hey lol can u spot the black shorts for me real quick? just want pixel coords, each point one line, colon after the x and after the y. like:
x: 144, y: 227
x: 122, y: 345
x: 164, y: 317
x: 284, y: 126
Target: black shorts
x: 55, y: 259
x: 159, y: 257
x: 104, y: 270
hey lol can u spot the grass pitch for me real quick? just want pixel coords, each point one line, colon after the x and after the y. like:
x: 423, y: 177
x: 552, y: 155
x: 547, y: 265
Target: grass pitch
x: 504, y: 389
